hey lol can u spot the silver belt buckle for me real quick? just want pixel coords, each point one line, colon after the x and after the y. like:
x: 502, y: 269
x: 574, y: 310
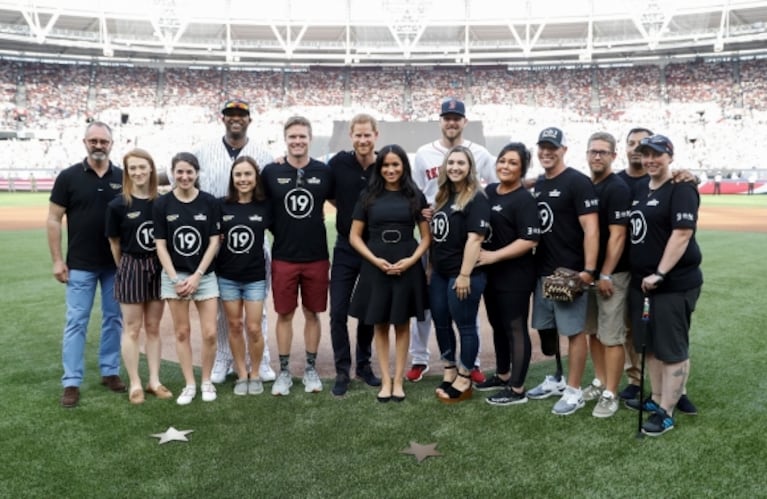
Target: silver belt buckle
x: 396, y: 236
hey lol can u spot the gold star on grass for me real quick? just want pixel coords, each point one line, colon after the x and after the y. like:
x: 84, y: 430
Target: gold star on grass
x: 421, y: 451
x: 172, y: 434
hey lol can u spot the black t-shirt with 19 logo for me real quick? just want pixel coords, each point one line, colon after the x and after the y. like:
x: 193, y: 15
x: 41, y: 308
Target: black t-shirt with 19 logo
x: 187, y: 228
x: 241, y: 255
x: 132, y: 224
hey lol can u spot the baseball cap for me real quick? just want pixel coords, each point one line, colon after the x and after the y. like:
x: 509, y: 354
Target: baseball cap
x: 453, y: 106
x: 553, y: 136
x: 233, y: 104
x: 658, y: 143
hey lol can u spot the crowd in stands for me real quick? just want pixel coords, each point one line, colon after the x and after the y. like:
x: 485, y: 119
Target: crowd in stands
x: 705, y: 106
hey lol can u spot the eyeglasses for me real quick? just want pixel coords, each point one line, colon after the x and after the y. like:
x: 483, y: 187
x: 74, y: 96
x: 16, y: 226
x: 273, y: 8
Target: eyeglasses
x: 595, y: 153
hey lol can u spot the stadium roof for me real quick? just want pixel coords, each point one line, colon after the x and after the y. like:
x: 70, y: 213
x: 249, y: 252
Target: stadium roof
x: 285, y: 33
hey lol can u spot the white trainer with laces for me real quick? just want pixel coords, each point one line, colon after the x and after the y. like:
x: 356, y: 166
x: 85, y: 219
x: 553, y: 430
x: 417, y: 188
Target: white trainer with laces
x: 571, y: 401
x: 282, y: 384
x: 549, y: 388
x: 606, y: 407
x: 221, y: 368
x: 312, y: 382
x: 593, y: 391
x: 208, y: 391
x: 266, y: 373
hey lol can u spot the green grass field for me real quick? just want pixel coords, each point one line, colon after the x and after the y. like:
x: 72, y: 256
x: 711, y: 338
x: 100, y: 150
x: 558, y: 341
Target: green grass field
x: 316, y: 446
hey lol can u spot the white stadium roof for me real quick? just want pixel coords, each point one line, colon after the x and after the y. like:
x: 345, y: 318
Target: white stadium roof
x: 285, y: 33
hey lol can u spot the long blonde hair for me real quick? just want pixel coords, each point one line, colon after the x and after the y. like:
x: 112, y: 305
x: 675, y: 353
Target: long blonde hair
x: 446, y: 188
x: 128, y: 182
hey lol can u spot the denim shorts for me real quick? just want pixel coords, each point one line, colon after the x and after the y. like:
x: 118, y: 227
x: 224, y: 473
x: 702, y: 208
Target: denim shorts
x: 247, y: 291
x: 208, y: 287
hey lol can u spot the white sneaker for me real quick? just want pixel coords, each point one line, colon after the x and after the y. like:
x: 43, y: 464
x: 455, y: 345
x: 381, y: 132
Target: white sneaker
x: 208, y: 391
x: 312, y: 383
x: 593, y: 391
x: 571, y: 401
x: 282, y: 384
x: 255, y: 387
x: 221, y: 368
x: 266, y: 373
x: 606, y: 407
x: 549, y: 388
x: 187, y: 395
x: 241, y: 387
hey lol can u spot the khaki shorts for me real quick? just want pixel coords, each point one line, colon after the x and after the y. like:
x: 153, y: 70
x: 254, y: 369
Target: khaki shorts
x: 606, y: 317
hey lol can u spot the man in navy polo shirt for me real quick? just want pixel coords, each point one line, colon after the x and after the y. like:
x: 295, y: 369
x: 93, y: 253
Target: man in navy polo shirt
x: 82, y: 192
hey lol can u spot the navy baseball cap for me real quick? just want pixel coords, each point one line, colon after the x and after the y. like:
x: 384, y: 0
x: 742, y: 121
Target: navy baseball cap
x: 235, y: 104
x: 553, y: 136
x: 658, y: 143
x: 453, y: 106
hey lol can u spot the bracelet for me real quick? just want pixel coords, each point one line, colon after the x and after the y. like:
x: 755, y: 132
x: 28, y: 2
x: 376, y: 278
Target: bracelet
x: 175, y: 281
x: 660, y: 274
x: 605, y: 277
x: 198, y: 271
x: 464, y: 275
x: 591, y: 272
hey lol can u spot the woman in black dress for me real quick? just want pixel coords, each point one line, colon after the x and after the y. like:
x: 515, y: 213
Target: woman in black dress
x: 392, y: 286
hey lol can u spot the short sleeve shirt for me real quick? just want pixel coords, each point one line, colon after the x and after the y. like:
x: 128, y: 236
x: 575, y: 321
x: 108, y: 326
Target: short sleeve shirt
x: 614, y: 207
x: 513, y: 216
x: 241, y: 255
x: 297, y: 196
x: 85, y: 196
x: 133, y: 224
x: 561, y: 200
x: 187, y: 228
x: 654, y: 216
x: 450, y: 228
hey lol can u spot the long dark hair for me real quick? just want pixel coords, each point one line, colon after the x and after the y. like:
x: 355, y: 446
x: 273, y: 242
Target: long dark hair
x: 377, y: 184
x: 232, y: 196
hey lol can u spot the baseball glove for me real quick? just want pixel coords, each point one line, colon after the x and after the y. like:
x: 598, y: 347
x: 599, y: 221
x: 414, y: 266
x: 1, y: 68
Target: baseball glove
x: 563, y: 285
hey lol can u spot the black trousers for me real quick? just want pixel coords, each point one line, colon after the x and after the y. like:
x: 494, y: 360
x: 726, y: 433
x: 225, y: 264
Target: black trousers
x: 343, y: 276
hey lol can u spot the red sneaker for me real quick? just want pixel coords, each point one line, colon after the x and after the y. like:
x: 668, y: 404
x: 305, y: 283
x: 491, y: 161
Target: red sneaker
x: 416, y: 372
x: 477, y: 376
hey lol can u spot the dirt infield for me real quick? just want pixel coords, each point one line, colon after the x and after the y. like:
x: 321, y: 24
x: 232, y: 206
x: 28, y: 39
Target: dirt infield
x: 718, y: 218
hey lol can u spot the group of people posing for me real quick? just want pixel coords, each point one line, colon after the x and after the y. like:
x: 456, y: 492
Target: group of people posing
x: 415, y: 246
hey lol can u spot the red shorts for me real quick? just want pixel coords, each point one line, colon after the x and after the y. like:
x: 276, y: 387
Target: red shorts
x: 311, y: 277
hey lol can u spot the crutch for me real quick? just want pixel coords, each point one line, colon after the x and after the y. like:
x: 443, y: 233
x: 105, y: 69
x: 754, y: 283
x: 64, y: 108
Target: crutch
x: 645, y: 326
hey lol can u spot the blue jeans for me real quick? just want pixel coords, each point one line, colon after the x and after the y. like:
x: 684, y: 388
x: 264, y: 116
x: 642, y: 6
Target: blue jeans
x: 446, y: 308
x: 81, y: 290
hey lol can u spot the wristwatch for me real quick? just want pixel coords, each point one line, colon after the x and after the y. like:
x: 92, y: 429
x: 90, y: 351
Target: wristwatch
x: 591, y: 272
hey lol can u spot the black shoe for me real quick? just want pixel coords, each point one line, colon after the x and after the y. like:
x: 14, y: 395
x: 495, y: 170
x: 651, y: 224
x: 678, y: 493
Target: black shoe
x: 686, y: 406
x: 341, y: 386
x: 365, y: 373
x: 658, y: 423
x: 507, y: 396
x: 648, y: 405
x: 492, y: 383
x: 629, y: 392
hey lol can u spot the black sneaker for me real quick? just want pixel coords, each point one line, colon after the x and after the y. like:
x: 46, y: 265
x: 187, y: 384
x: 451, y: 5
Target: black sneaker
x: 629, y: 392
x: 507, y: 396
x: 658, y: 423
x: 686, y: 406
x: 365, y: 373
x: 491, y: 383
x: 649, y: 405
x: 341, y: 386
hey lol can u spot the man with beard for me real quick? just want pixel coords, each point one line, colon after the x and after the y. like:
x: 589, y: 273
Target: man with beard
x: 216, y: 158
x: 82, y: 193
x: 351, y: 171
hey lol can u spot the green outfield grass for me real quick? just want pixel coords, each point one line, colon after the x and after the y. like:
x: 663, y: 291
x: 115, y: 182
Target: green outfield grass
x: 735, y: 200
x: 24, y: 198
x: 316, y: 446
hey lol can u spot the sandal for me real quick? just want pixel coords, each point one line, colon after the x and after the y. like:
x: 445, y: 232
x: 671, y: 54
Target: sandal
x: 136, y: 396
x: 442, y: 387
x: 453, y: 395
